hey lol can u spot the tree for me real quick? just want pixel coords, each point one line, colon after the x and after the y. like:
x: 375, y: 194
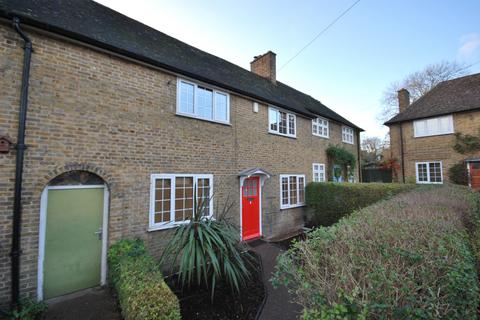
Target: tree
x: 419, y: 83
x: 371, y: 148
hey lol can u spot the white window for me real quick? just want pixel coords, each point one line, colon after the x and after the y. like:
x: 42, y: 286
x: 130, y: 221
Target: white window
x: 320, y: 127
x: 172, y: 198
x: 282, y: 123
x: 429, y: 172
x: 204, y: 103
x: 347, y: 135
x: 292, y: 191
x: 433, y: 126
x: 318, y: 172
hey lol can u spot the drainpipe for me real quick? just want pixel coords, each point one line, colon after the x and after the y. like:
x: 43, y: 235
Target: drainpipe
x: 402, y: 156
x: 20, y: 147
x: 360, y: 178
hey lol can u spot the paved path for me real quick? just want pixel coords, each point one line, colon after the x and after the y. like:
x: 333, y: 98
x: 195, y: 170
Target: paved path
x: 97, y: 304
x: 278, y: 305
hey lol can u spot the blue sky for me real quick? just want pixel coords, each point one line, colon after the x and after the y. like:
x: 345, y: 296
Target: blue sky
x: 349, y: 66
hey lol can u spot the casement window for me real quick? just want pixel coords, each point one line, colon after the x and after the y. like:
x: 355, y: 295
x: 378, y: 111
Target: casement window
x: 318, y: 172
x: 172, y: 198
x: 320, y: 127
x: 292, y: 191
x: 433, y: 126
x: 347, y: 135
x: 429, y: 172
x: 282, y: 123
x: 201, y: 102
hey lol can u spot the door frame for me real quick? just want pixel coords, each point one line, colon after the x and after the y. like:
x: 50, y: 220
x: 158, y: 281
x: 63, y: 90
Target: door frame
x: 260, y: 184
x: 43, y: 226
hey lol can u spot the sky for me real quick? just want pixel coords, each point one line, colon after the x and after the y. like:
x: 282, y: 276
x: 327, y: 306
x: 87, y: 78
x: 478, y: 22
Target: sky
x: 349, y: 66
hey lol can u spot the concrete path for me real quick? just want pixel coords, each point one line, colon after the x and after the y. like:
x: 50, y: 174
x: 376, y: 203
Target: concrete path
x: 95, y: 304
x: 279, y: 305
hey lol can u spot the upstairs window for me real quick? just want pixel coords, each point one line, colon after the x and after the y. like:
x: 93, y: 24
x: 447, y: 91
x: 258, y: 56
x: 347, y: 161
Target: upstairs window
x: 318, y: 172
x: 429, y: 172
x: 347, y: 135
x: 292, y: 191
x: 201, y: 102
x: 433, y: 126
x: 282, y: 123
x: 320, y: 127
x: 172, y: 198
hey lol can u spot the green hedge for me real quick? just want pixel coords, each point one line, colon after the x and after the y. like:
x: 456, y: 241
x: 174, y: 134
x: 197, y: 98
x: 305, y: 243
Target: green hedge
x: 410, y: 257
x: 328, y: 202
x: 142, y: 292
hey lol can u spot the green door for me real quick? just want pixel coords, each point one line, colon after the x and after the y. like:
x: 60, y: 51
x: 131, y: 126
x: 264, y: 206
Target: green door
x: 72, y: 248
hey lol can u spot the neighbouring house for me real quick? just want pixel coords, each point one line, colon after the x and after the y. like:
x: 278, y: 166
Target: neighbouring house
x: 423, y: 134
x: 125, y: 127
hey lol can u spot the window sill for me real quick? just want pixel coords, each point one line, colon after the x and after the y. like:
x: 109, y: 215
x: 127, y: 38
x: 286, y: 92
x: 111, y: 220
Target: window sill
x: 292, y: 207
x: 317, y: 135
x: 172, y: 225
x: 435, y: 135
x: 425, y: 182
x: 282, y: 135
x: 186, y: 115
x: 352, y: 143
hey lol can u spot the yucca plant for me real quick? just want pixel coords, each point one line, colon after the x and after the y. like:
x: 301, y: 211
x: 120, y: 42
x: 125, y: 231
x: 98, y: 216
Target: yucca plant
x: 207, y: 250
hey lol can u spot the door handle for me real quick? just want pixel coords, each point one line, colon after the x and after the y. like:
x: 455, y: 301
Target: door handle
x: 99, y: 233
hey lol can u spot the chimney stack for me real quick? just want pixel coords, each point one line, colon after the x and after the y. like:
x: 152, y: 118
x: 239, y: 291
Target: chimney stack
x: 265, y: 66
x: 403, y: 99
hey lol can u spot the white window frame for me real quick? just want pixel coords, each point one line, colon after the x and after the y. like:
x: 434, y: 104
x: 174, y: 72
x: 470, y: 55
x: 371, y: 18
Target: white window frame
x: 289, y: 205
x: 152, y: 226
x: 321, y: 169
x: 315, y: 123
x: 430, y: 132
x: 195, y: 99
x: 427, y: 163
x: 347, y: 132
x: 277, y: 110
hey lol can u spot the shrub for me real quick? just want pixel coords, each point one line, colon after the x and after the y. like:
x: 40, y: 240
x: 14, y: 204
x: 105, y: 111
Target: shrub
x: 458, y: 174
x: 209, y: 251
x: 139, y: 283
x: 329, y: 202
x: 405, y: 258
x: 29, y: 309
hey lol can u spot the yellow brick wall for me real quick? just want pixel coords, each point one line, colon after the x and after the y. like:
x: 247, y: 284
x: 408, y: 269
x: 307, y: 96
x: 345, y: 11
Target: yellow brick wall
x: 93, y: 111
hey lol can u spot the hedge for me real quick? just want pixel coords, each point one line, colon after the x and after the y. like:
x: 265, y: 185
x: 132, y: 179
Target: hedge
x: 328, y: 202
x: 138, y: 281
x: 409, y: 257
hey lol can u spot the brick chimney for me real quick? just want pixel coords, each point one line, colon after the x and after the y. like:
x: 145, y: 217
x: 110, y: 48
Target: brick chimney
x: 265, y: 65
x: 403, y: 99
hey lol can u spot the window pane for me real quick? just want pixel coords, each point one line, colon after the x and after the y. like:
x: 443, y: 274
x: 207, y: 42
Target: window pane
x: 204, y: 103
x: 282, y: 128
x: 284, y: 190
x: 273, y: 119
x: 422, y: 172
x: 183, y: 198
x: 221, y: 107
x: 204, y: 197
x: 293, y: 190
x: 291, y: 124
x: 186, y: 97
x: 162, y: 201
x: 435, y: 172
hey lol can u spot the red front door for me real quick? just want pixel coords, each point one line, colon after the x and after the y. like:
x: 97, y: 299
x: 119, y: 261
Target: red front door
x: 251, y: 208
x: 475, y: 175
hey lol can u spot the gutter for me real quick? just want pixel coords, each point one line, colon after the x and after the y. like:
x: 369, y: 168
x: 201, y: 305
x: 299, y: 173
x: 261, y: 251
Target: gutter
x: 20, y: 147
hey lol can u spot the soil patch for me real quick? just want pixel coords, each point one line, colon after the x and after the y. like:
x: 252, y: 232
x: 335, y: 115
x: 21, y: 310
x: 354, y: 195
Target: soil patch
x: 196, y: 303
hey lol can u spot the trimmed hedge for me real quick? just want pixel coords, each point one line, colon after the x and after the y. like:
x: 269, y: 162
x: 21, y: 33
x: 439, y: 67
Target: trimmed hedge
x: 142, y: 292
x: 409, y: 257
x: 328, y: 202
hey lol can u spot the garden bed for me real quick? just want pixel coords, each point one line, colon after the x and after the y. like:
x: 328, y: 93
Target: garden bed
x: 196, y: 303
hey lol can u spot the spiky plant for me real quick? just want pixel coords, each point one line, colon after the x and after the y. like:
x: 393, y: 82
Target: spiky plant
x: 207, y: 250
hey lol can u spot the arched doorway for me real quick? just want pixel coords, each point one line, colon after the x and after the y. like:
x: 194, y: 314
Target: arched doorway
x: 73, y: 234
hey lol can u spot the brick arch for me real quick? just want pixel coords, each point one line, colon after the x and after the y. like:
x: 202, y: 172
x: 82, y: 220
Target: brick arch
x: 89, y: 167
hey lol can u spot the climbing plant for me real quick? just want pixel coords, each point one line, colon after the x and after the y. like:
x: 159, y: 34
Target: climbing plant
x: 341, y: 157
x: 466, y: 143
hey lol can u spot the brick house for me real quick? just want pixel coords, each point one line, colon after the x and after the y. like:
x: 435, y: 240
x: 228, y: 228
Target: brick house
x: 124, y: 125
x: 422, y: 135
